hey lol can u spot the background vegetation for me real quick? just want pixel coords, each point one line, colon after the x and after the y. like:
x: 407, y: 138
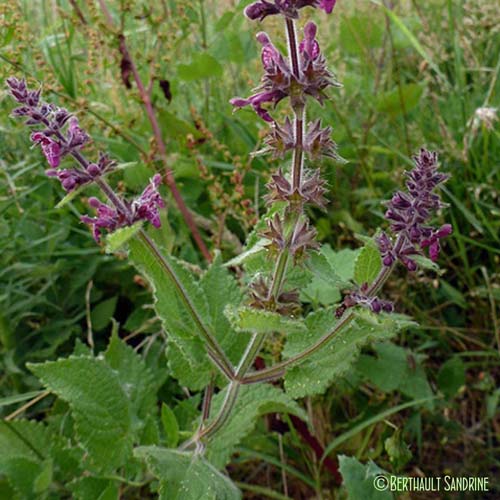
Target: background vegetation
x: 413, y: 73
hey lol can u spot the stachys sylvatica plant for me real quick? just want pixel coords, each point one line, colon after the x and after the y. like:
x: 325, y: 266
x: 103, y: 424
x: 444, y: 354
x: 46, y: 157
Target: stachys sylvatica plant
x: 217, y: 325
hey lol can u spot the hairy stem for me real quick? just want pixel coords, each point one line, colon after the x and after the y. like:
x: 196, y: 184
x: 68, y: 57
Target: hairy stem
x: 160, y: 143
x: 278, y: 370
x: 293, y: 49
x: 214, y: 350
x: 292, y: 218
x: 233, y: 388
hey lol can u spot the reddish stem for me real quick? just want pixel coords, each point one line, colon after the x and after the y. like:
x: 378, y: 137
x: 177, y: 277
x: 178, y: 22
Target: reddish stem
x: 146, y: 100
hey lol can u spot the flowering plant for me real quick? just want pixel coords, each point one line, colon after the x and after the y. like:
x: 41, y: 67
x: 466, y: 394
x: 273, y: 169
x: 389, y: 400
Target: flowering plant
x: 217, y: 326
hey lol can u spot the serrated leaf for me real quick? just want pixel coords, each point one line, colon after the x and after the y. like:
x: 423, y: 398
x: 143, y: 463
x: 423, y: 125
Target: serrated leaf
x: 318, y: 371
x: 136, y: 380
x: 170, y: 426
x: 44, y: 479
x: 99, y: 405
x: 85, y: 488
x: 395, y: 368
x: 249, y: 319
x: 359, y: 479
x: 327, y: 291
x: 322, y: 269
x: 24, y: 446
x: 184, y: 476
x: 368, y: 264
x: 253, y: 401
x: 186, y: 352
x: 221, y: 289
x: 118, y: 238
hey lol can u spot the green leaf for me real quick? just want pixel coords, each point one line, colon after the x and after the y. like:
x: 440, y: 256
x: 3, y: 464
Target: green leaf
x: 88, y: 487
x: 318, y: 371
x: 368, y: 264
x: 398, y: 451
x: 359, y: 34
x: 248, y: 319
x: 24, y: 445
x: 176, y: 127
x: 257, y: 248
x: 44, y: 479
x: 202, y: 66
x: 322, y: 269
x: 115, y: 240
x: 425, y: 263
x: 136, y: 380
x: 453, y: 294
x: 100, y: 407
x: 400, y: 99
x: 224, y: 21
x: 395, y: 368
x: 184, y: 476
x: 186, y: 350
x: 222, y: 290
x: 451, y: 376
x: 253, y: 401
x: 170, y: 426
x: 359, y: 479
x: 71, y: 196
x: 102, y: 313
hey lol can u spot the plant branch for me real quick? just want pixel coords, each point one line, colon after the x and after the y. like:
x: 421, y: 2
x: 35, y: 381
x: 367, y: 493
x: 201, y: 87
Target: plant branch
x: 278, y: 370
x: 160, y: 143
x: 280, y: 269
x: 214, y: 350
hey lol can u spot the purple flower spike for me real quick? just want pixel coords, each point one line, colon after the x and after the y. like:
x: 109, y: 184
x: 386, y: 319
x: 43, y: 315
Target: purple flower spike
x: 145, y: 207
x: 410, y: 211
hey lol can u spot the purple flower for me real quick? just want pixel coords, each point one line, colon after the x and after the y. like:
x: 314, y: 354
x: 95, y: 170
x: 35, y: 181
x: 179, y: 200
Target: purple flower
x: 360, y: 298
x: 410, y: 211
x: 433, y: 241
x: 145, y: 207
x: 59, y: 135
x: 311, y: 191
x: 327, y: 5
x: 76, y: 136
x: 278, y: 81
x: 289, y: 8
x: 107, y: 218
x: 50, y: 148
